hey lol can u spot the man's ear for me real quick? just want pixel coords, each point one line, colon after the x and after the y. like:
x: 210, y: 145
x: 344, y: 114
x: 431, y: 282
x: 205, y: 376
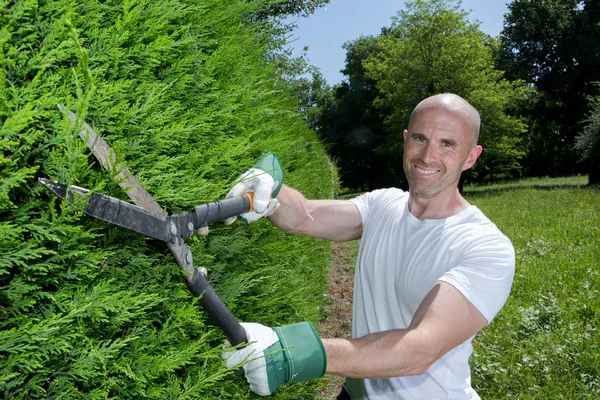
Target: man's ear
x: 404, y: 134
x: 473, y: 156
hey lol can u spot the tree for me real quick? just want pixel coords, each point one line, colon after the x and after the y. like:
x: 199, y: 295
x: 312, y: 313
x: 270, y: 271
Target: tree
x: 554, y: 46
x: 282, y: 8
x: 353, y: 127
x: 432, y: 48
x: 314, y: 95
x: 587, y: 143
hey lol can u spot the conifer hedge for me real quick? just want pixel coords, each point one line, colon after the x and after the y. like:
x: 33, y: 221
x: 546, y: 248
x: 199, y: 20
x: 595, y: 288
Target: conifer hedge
x: 187, y: 93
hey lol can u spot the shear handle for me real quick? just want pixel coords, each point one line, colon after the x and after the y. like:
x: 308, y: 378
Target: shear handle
x: 215, y: 307
x: 205, y: 214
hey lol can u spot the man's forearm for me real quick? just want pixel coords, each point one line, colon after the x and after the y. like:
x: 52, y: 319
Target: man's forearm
x: 445, y: 319
x: 400, y: 352
x: 292, y: 212
x: 337, y: 220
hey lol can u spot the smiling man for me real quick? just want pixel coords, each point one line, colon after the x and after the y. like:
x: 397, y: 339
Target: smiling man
x: 431, y: 272
x: 440, y: 143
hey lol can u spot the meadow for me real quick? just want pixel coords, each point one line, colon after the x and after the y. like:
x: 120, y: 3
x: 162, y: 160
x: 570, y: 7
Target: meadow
x: 544, y: 343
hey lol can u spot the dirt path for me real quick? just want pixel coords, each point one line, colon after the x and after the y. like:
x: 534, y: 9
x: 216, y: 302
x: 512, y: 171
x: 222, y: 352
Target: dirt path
x: 338, y: 323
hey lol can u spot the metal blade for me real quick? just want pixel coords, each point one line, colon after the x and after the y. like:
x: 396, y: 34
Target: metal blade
x: 114, y: 211
x: 133, y: 188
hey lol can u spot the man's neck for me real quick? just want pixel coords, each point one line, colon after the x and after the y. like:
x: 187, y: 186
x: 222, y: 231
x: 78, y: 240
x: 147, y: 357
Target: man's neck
x: 440, y: 206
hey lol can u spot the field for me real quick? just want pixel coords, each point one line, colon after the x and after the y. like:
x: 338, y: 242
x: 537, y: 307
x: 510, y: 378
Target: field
x: 544, y: 344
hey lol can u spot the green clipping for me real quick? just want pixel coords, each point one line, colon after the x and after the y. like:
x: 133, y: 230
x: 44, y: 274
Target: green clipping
x: 300, y: 353
x: 270, y: 163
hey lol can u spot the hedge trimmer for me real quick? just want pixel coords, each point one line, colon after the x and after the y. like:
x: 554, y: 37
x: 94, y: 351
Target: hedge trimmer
x: 148, y: 218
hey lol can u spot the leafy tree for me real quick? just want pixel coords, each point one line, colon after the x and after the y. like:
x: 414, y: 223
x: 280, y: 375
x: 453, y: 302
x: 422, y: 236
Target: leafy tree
x: 587, y: 143
x: 313, y: 93
x: 554, y: 46
x: 353, y: 128
x: 432, y: 48
x: 282, y: 8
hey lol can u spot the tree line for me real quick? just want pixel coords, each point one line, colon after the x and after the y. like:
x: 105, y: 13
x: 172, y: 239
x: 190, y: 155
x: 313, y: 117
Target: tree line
x: 535, y: 87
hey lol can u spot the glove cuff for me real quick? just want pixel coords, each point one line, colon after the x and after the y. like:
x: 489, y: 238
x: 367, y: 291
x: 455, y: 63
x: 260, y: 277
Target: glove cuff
x: 270, y: 164
x: 303, y: 350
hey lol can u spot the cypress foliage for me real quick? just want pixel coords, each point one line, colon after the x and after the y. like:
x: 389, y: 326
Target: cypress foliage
x: 184, y: 92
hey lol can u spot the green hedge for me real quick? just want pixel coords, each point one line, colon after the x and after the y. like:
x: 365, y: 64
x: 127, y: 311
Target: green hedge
x: 187, y: 94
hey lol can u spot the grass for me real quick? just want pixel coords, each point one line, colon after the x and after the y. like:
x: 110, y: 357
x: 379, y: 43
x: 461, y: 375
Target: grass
x: 542, y: 183
x: 544, y: 343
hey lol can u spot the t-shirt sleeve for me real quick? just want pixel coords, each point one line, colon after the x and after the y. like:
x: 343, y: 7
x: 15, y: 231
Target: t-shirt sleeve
x: 367, y: 200
x: 362, y: 203
x: 484, y: 275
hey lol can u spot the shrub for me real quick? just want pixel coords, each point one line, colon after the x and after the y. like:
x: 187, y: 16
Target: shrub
x: 185, y: 93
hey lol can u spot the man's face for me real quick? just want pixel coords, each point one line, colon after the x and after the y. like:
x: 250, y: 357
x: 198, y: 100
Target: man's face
x: 438, y: 146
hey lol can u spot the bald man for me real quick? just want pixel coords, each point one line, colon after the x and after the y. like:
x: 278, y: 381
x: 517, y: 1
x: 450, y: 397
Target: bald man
x: 431, y: 272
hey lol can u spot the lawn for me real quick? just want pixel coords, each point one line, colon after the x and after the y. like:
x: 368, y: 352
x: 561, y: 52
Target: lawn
x: 544, y: 343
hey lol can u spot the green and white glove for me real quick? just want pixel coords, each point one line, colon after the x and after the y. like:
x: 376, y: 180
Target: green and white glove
x: 276, y: 356
x: 264, y: 179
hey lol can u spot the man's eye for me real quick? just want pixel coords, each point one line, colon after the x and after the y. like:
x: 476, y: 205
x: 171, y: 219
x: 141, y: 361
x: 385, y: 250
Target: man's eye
x: 447, y: 144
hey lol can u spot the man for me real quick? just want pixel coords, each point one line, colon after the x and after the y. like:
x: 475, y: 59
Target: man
x: 431, y: 272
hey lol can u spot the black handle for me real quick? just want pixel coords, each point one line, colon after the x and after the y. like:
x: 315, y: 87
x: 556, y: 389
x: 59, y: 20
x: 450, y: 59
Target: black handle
x: 206, y: 214
x: 215, y: 307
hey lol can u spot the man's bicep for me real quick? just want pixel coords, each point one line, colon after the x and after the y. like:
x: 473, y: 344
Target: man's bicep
x: 337, y: 220
x: 448, y: 318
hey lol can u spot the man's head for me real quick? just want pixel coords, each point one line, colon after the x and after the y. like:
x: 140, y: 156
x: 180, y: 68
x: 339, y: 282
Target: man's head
x: 440, y: 143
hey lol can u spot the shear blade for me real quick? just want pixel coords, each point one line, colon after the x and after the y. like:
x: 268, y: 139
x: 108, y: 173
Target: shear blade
x: 114, y: 211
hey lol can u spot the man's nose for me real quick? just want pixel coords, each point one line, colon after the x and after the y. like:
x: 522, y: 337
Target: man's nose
x: 429, y: 153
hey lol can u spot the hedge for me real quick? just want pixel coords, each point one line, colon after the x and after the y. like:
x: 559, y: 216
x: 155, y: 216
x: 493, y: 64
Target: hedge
x: 188, y: 95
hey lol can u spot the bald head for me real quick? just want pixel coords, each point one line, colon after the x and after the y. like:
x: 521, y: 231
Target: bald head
x: 453, y: 104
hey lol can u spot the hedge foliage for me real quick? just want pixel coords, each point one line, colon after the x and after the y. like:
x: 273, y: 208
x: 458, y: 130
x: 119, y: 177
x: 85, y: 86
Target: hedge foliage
x: 187, y: 94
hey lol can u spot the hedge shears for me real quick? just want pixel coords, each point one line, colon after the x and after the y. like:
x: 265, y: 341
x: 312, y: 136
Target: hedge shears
x: 147, y: 217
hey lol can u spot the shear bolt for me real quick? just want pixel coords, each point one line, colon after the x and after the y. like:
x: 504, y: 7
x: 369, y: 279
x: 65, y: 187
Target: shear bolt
x: 190, y: 227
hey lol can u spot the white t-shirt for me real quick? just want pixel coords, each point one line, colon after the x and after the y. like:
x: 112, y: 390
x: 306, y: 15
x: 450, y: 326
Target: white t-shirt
x: 400, y: 259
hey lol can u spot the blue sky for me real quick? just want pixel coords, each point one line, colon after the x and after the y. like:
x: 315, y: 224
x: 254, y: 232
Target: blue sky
x: 344, y: 20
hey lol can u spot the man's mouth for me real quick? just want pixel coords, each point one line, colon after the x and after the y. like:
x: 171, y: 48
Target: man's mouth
x: 426, y: 171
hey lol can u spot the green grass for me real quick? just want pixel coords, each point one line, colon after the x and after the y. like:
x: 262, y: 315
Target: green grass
x: 544, y: 344
x: 543, y: 182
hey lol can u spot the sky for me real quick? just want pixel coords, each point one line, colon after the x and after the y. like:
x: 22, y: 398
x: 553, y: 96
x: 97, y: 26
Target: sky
x: 341, y: 21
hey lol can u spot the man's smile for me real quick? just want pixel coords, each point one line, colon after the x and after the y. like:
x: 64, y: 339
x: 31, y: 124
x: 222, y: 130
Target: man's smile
x: 426, y: 171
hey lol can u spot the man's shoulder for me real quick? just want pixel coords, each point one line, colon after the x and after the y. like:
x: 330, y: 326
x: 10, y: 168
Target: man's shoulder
x: 476, y: 228
x: 379, y: 194
x: 381, y: 203
x: 476, y: 217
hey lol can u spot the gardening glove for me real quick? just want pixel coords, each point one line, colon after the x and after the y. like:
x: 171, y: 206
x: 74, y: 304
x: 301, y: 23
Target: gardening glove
x: 275, y: 356
x: 264, y: 179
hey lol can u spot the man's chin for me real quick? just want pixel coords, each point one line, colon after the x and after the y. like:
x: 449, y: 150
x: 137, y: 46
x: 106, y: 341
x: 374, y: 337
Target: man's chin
x: 424, y: 192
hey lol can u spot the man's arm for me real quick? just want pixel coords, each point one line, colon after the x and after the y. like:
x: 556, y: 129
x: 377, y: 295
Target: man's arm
x: 444, y: 320
x: 337, y: 220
